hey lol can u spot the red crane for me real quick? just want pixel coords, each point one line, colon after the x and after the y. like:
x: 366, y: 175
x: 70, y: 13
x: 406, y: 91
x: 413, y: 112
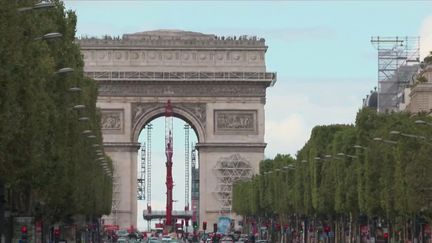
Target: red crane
x: 169, y: 153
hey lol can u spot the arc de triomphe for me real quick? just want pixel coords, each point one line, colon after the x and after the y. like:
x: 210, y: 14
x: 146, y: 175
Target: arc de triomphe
x: 216, y: 84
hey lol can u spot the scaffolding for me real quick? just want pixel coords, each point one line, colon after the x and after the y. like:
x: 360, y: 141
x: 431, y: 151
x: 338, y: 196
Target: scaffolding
x: 149, y: 129
x: 186, y: 128
x: 228, y: 170
x: 141, y: 177
x: 398, y: 61
x: 115, y: 198
x: 195, y: 186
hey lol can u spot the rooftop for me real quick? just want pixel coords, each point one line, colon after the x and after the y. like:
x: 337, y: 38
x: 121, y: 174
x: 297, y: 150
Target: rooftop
x: 173, y: 38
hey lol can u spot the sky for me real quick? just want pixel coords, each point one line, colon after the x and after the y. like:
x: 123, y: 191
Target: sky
x: 320, y: 50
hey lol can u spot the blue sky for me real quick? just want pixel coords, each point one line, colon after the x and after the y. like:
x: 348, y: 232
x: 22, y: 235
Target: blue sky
x: 320, y: 49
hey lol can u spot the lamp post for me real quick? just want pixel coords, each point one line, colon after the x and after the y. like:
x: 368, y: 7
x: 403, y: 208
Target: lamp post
x: 422, y: 122
x: 49, y: 36
x: 407, y: 135
x: 356, y: 146
x: 378, y: 139
x: 78, y: 107
x: 65, y: 70
x: 37, y: 6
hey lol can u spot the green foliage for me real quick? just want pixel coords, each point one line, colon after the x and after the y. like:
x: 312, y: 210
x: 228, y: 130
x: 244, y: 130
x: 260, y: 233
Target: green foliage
x: 332, y: 178
x: 44, y: 158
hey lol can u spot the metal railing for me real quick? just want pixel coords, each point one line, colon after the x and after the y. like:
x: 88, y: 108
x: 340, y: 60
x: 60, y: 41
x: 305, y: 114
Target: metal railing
x: 163, y: 212
x: 183, y: 76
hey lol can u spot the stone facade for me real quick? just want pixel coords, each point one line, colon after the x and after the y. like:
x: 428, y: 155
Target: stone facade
x: 218, y: 85
x: 420, y: 95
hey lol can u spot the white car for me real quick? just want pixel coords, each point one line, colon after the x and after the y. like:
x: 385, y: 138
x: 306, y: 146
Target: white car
x: 122, y: 240
x: 166, y: 238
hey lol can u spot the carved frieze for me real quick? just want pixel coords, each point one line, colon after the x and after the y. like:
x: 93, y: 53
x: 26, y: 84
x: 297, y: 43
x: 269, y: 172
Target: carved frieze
x: 181, y: 90
x: 235, y: 121
x: 177, y: 57
x: 112, y: 121
x: 197, y: 110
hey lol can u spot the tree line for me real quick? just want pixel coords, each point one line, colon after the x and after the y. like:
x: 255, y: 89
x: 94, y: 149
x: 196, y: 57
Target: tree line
x: 375, y: 172
x: 49, y: 168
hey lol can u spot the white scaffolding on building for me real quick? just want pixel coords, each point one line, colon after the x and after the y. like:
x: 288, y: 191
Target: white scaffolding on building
x: 186, y: 128
x: 398, y: 60
x: 149, y: 129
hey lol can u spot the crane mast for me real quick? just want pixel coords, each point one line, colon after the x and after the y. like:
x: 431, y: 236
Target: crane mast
x: 169, y: 154
x: 169, y: 215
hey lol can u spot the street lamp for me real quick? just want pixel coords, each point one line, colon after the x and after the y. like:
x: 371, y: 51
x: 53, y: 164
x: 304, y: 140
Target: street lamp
x: 347, y: 155
x: 49, y: 36
x: 38, y: 6
x: 406, y: 134
x: 79, y: 107
x: 65, y: 70
x: 356, y: 146
x: 422, y: 122
x: 86, y: 132
x: 378, y: 139
x: 75, y: 89
x: 84, y: 118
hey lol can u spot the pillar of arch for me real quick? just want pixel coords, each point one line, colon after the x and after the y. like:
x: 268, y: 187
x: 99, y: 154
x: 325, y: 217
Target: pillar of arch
x: 218, y: 85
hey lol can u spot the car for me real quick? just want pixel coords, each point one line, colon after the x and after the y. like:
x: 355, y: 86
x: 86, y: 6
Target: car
x: 122, y: 233
x: 243, y: 240
x: 153, y: 240
x: 166, y: 238
x: 226, y: 239
x: 122, y: 240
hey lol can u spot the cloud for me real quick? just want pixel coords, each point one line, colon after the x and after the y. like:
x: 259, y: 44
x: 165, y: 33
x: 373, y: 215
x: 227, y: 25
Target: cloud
x: 285, y: 135
x: 426, y: 37
x: 295, y: 105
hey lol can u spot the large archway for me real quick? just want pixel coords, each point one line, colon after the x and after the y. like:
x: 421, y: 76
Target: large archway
x: 216, y: 84
x: 152, y: 172
x: 192, y: 113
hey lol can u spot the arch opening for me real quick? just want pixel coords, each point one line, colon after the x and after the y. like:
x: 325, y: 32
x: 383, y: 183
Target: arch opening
x: 197, y: 122
x: 158, y: 167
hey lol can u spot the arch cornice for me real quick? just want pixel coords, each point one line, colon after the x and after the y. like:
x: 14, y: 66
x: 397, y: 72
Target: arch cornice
x: 192, y: 113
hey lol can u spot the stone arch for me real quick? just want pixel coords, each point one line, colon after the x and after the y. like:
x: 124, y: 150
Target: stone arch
x: 197, y: 122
